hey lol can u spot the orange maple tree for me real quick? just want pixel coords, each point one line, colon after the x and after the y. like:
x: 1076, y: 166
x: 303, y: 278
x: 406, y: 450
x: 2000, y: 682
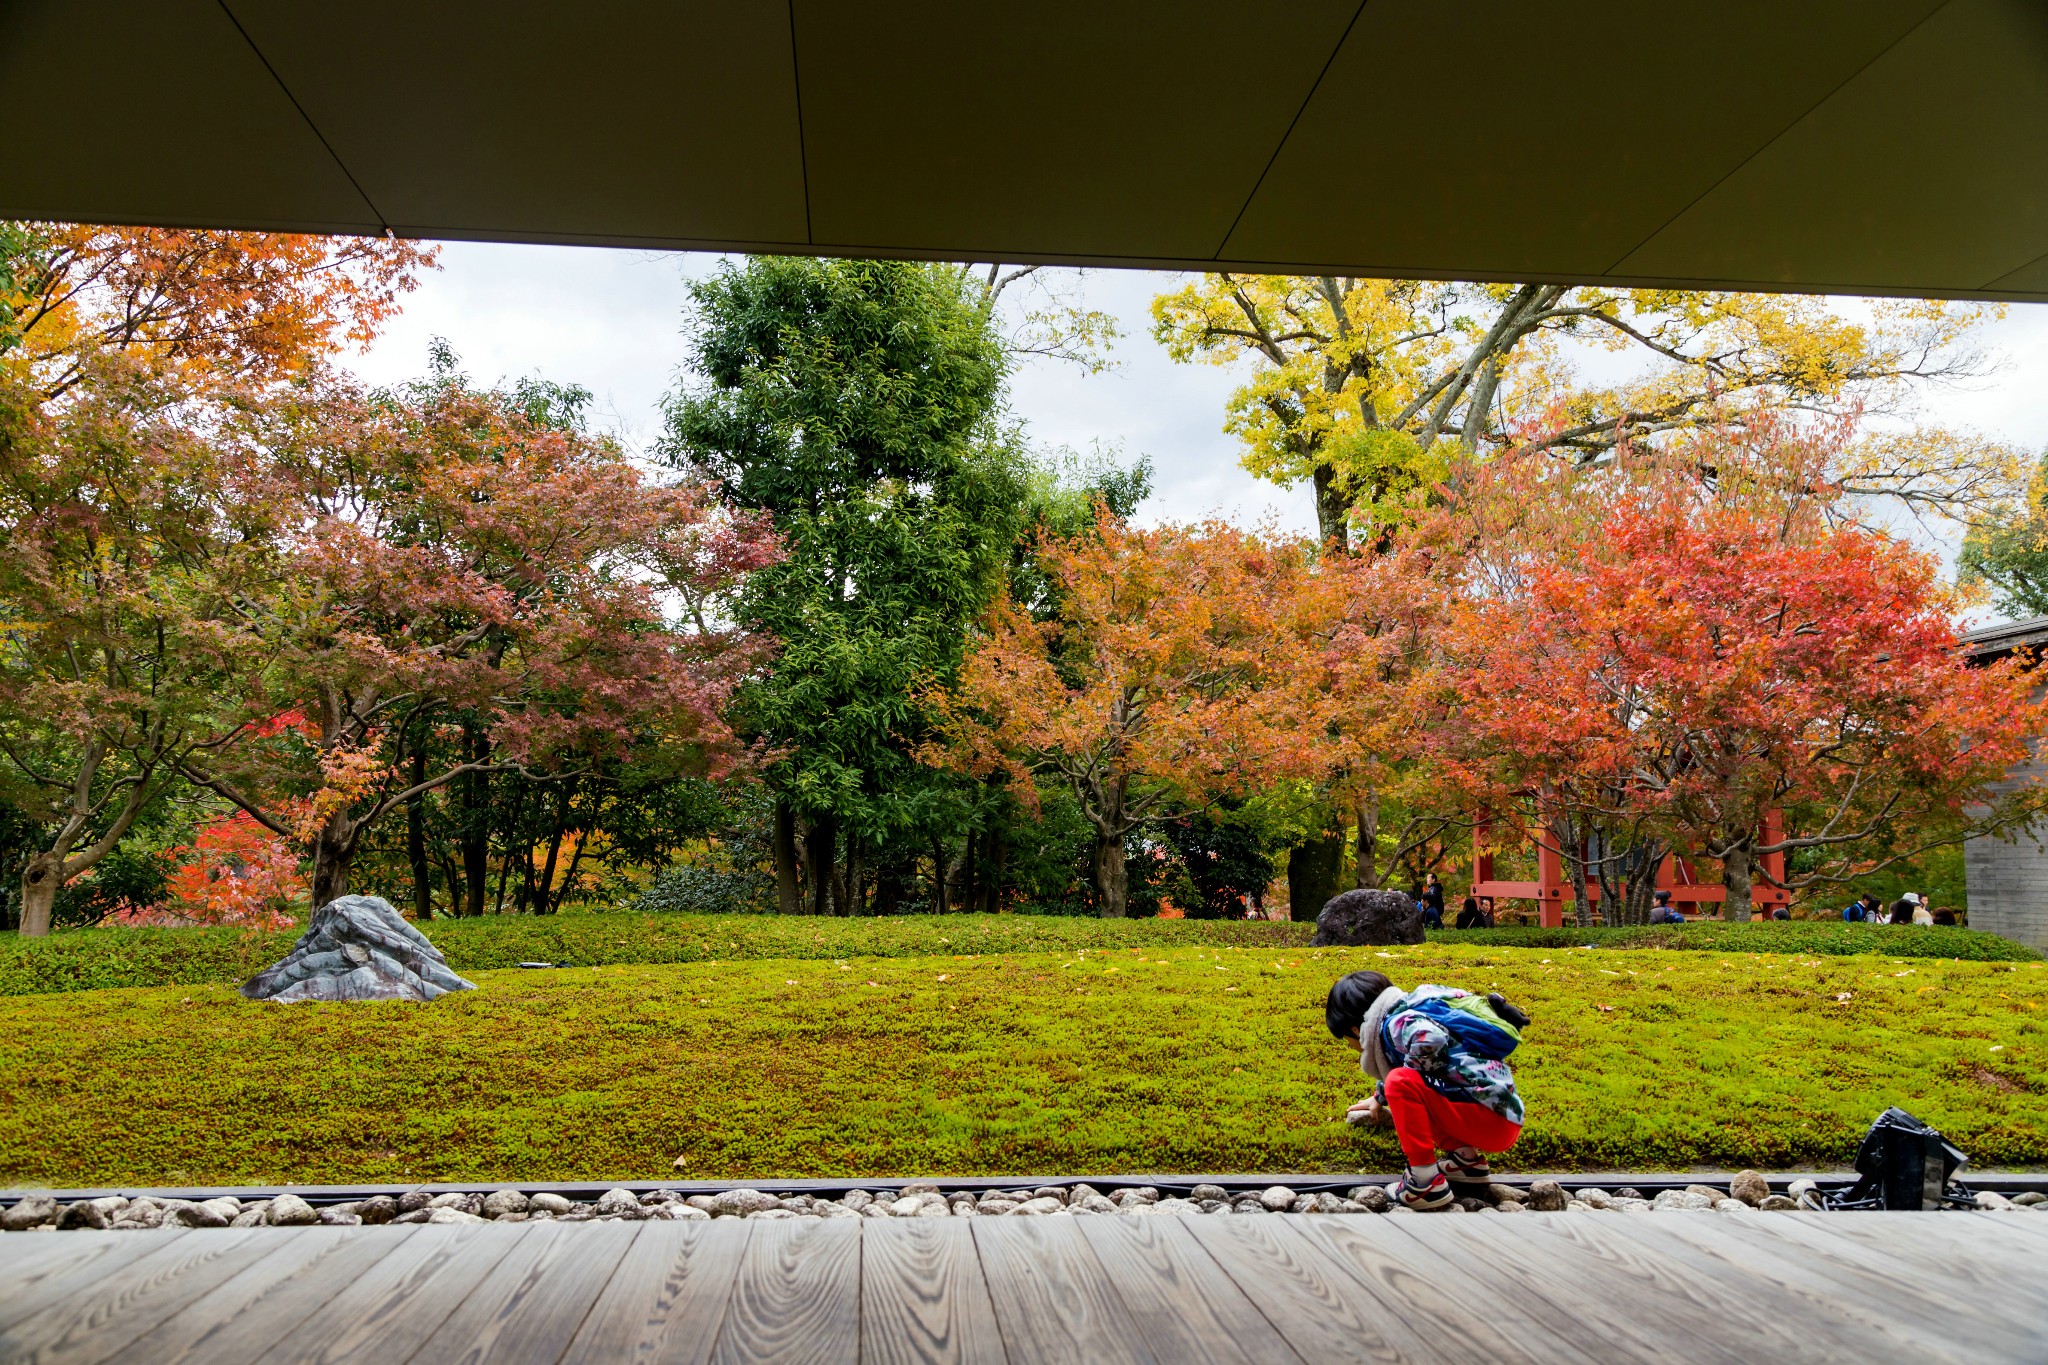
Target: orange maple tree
x: 245, y: 306
x: 1170, y: 667
x: 1698, y: 664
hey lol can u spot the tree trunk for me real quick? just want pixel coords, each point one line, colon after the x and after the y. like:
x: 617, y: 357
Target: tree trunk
x: 1333, y: 508
x: 1367, y: 867
x: 939, y: 898
x: 787, y: 896
x: 39, y: 883
x: 996, y: 856
x: 416, y: 842
x: 545, y: 902
x: 1112, y: 883
x: 1313, y: 872
x: 1571, y: 846
x: 449, y: 870
x: 476, y: 830
x: 1735, y: 877
x: 334, y: 848
x: 569, y: 877
x: 820, y: 842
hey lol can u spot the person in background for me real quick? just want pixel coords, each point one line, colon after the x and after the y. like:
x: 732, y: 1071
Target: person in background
x: 1900, y: 912
x: 1945, y: 916
x: 1664, y: 912
x: 1432, y: 902
x: 1781, y: 912
x: 1862, y: 909
x: 1486, y: 910
x: 1469, y: 916
x: 1922, y: 914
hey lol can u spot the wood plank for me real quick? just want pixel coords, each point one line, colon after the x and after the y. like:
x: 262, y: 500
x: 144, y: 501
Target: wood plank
x: 667, y: 1297
x: 2033, y: 1224
x: 1892, y: 1315
x: 1053, y: 1299
x: 1422, y: 1291
x: 1481, y: 1256
x: 922, y: 1295
x: 302, y: 1269
x: 1182, y: 1302
x: 100, y: 1254
x: 108, y: 1317
x: 1647, y: 1297
x: 533, y: 1301
x: 1313, y: 1302
x: 387, y: 1312
x: 1957, y: 1251
x: 798, y: 1295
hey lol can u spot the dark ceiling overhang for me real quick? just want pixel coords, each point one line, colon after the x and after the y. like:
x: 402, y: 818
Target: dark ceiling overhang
x: 1842, y: 146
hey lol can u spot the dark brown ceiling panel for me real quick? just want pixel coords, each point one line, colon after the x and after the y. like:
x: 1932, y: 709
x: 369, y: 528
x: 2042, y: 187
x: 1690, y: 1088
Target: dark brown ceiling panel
x: 1502, y: 137
x: 155, y: 113
x: 605, y: 119
x: 1875, y: 146
x: 1928, y: 171
x: 1072, y: 127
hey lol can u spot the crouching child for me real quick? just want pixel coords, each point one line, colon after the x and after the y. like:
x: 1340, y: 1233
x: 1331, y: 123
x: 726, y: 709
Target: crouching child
x: 1440, y: 1056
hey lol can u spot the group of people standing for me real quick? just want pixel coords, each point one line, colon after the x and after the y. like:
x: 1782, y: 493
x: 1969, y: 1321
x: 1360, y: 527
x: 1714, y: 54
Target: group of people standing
x: 1475, y: 913
x: 1911, y: 908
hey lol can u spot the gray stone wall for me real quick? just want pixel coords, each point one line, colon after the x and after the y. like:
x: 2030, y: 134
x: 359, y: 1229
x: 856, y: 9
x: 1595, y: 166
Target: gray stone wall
x: 2007, y: 879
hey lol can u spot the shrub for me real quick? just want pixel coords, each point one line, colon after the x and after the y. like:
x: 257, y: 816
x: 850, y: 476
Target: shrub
x: 689, y: 890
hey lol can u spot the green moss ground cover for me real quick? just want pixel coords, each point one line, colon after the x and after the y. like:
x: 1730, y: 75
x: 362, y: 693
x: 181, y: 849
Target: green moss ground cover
x: 1180, y: 1057
x: 98, y: 959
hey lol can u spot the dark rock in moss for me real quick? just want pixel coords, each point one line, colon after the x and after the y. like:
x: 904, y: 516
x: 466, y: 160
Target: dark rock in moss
x: 1356, y: 919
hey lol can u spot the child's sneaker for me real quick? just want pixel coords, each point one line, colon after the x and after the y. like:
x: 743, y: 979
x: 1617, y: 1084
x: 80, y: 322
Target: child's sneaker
x: 1470, y: 1176
x: 1423, y: 1198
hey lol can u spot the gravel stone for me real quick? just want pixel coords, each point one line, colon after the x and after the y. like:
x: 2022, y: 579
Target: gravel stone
x: 854, y: 1199
x: 454, y: 1199
x: 1278, y: 1198
x: 329, y: 1218
x: 249, y: 1218
x: 445, y: 1214
x: 501, y: 1202
x: 1750, y: 1187
x: 30, y: 1211
x: 86, y: 1213
x: 741, y: 1203
x: 1546, y: 1196
x: 290, y: 1211
x: 1776, y: 1203
x: 2030, y: 1198
x: 414, y: 1199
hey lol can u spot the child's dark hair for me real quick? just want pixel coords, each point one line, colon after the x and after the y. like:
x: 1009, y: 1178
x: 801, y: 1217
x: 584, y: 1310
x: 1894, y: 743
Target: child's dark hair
x: 1350, y: 997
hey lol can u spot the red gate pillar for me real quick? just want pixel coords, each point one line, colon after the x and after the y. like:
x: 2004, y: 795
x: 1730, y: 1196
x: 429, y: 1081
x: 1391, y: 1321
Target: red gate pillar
x: 1550, y: 883
x: 1770, y: 892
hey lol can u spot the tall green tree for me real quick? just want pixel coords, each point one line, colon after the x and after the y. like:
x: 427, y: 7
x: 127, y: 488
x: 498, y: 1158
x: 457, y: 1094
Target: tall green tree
x: 859, y: 404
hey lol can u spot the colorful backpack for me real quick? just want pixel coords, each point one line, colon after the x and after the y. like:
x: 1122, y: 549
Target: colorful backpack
x: 1483, y: 1025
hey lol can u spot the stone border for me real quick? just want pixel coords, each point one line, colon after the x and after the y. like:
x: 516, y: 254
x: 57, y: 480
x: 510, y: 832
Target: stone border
x: 1747, y: 1192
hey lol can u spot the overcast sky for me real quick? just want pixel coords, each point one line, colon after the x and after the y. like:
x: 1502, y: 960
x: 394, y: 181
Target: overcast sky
x: 611, y: 320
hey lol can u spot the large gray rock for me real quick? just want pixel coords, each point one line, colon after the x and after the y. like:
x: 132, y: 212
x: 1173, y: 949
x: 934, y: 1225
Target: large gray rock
x: 30, y: 1211
x: 1356, y: 919
x: 357, y: 948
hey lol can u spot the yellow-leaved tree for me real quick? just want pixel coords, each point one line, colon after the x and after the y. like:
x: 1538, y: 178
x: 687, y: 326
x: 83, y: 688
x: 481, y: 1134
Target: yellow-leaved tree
x: 1366, y: 387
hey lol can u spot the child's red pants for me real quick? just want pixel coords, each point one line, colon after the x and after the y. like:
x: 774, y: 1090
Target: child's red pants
x: 1428, y: 1121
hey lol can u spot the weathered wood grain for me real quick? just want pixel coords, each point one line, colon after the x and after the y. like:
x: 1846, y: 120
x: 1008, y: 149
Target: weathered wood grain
x: 34, y: 1286
x: 798, y: 1295
x: 667, y: 1297
x: 1053, y: 1299
x: 533, y: 1302
x: 1658, y: 1284
x: 1894, y: 1317
x: 1959, y: 1251
x: 1552, y: 1320
x: 922, y: 1296
x: 1452, y: 1320
x: 1313, y: 1302
x: 299, y: 1271
x: 385, y: 1313
x: 1183, y: 1304
x: 106, y: 1319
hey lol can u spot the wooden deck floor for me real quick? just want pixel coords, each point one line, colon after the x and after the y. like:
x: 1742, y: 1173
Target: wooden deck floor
x: 1542, y: 1288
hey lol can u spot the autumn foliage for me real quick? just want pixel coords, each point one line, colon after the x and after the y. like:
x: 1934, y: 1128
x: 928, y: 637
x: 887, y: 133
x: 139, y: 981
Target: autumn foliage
x: 1173, y: 666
